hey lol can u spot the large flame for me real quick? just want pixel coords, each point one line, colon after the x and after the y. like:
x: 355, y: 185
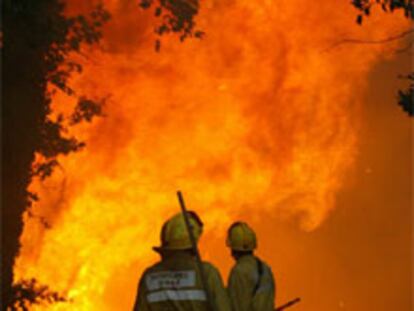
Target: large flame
x: 256, y: 119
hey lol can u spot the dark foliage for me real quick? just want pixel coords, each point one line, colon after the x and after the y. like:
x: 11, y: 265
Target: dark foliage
x: 30, y: 292
x: 37, y: 39
x: 365, y: 7
x: 68, y: 36
x: 177, y: 16
x: 86, y: 110
x: 405, y: 97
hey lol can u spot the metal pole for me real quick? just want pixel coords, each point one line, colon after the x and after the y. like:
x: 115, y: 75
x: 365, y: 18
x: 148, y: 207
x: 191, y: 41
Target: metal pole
x: 287, y: 305
x: 210, y: 304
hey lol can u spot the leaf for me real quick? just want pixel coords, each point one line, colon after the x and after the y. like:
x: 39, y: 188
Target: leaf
x: 86, y: 110
x: 145, y: 4
x: 199, y: 34
x: 158, y: 11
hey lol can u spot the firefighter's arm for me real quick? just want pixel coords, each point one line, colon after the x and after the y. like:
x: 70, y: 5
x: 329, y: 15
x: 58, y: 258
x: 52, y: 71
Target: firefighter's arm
x: 141, y: 303
x: 218, y: 291
x: 240, y: 290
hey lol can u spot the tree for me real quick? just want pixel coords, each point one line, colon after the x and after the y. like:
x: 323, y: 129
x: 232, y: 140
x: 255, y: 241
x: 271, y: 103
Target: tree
x: 37, y: 39
x: 405, y: 97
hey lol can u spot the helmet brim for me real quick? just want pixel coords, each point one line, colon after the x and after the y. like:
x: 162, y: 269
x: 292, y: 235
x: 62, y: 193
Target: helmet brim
x: 160, y: 249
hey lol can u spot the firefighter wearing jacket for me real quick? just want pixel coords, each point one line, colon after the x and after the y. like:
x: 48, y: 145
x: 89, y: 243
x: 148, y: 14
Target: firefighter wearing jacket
x: 174, y: 283
x: 251, y: 285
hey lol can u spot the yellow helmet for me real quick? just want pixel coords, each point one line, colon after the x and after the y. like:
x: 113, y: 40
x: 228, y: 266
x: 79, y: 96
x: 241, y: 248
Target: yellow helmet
x: 240, y: 237
x: 174, y: 232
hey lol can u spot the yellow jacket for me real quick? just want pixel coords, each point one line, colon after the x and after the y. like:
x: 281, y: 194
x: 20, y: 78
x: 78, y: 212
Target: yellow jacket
x: 251, y: 285
x: 174, y: 284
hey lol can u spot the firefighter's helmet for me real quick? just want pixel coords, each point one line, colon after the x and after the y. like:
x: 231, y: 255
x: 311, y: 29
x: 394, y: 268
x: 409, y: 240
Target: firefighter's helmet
x: 240, y: 237
x: 174, y: 232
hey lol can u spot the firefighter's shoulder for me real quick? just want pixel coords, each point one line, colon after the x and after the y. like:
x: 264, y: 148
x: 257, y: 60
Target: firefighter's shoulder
x: 245, y: 265
x: 210, y: 269
x: 152, y: 269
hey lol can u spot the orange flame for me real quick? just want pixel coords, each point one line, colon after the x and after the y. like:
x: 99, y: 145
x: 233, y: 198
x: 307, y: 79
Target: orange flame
x: 255, y: 119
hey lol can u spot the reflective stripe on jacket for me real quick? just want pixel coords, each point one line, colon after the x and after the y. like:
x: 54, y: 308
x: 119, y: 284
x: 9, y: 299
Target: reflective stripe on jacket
x: 174, y: 284
x: 251, y: 285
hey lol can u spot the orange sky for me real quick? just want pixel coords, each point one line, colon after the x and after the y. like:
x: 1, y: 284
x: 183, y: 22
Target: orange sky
x: 255, y: 122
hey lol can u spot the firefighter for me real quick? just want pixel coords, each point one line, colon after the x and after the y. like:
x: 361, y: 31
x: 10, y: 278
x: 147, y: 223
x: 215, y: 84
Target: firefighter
x: 251, y: 285
x: 174, y: 283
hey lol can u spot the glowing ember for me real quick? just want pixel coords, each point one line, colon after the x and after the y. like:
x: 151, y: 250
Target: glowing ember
x: 255, y: 117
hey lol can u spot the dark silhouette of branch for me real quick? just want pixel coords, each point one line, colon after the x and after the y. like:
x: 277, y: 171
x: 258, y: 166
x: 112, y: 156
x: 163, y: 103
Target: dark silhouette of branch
x: 177, y: 16
x: 87, y: 109
x: 365, y: 6
x: 30, y: 292
x: 379, y: 41
x: 406, y: 98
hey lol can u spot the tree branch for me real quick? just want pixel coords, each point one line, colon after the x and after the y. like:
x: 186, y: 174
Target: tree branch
x: 380, y: 41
